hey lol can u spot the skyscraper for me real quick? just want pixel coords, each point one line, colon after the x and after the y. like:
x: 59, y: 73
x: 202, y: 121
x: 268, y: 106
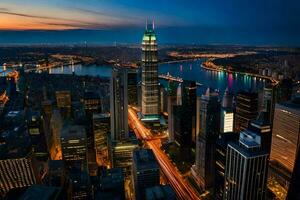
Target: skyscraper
x: 74, y: 143
x: 227, y: 115
x: 150, y: 87
x: 246, y: 110
x: 133, y: 86
x: 119, y: 104
x: 269, y: 101
x: 145, y: 171
x: 262, y: 126
x: 101, y: 128
x: 172, y: 100
x: 208, y: 123
x: 285, y: 143
x: 246, y: 168
x: 185, y: 117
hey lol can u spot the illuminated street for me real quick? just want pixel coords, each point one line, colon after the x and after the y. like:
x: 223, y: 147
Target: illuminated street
x: 180, y: 186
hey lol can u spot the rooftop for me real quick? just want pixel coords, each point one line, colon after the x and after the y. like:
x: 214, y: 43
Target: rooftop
x: 111, y: 178
x: 250, y: 139
x: 15, y: 143
x: 41, y: 192
x: 160, y: 192
x: 247, y: 153
x: 70, y: 131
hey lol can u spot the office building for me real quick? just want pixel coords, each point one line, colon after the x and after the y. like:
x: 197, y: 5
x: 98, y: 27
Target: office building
x: 79, y: 184
x: 246, y: 168
x: 285, y: 144
x: 284, y: 90
x: 133, y: 87
x: 293, y: 191
x: 101, y: 129
x: 185, y: 118
x: 56, y: 173
x: 145, y: 171
x: 208, y: 126
x: 92, y: 103
x: 172, y: 101
x: 269, y: 101
x: 74, y: 143
x: 163, y: 100
x: 63, y: 101
x: 262, y: 126
x: 34, y: 123
x: 220, y: 157
x: 150, y: 85
x: 246, y: 110
x: 111, y: 185
x: 227, y: 115
x: 118, y: 104
x: 122, y: 152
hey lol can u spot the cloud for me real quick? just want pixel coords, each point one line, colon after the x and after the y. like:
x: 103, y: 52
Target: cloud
x: 7, y: 12
x: 4, y: 9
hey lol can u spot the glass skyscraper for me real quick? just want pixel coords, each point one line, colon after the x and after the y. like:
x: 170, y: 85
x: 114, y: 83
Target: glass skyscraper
x: 246, y: 168
x: 150, y: 89
x: 119, y: 104
x: 207, y: 129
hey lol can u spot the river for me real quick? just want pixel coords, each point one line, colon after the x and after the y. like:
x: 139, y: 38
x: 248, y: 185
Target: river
x: 188, y: 70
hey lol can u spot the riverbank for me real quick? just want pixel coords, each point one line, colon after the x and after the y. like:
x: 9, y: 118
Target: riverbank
x: 209, y: 65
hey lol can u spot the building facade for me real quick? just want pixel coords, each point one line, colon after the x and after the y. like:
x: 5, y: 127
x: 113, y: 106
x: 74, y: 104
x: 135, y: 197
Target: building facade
x: 246, y: 168
x: 150, y: 84
x: 285, y: 144
x: 246, y: 110
x: 227, y: 114
x: 145, y: 171
x: 208, y: 126
x: 101, y: 129
x: 119, y: 104
x: 74, y: 143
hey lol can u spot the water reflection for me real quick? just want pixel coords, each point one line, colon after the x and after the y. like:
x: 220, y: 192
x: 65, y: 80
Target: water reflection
x: 188, y: 70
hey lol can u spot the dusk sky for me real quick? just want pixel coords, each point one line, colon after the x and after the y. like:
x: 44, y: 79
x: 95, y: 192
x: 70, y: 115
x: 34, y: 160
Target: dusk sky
x: 277, y: 19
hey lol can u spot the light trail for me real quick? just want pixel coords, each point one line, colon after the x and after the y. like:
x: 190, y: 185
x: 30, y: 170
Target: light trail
x: 178, y: 183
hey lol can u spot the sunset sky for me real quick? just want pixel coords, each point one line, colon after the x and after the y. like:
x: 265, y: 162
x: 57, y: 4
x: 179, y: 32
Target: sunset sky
x: 103, y: 14
x: 229, y: 21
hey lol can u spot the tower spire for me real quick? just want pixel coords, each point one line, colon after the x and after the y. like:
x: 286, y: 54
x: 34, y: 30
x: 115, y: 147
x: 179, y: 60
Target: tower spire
x: 146, y: 24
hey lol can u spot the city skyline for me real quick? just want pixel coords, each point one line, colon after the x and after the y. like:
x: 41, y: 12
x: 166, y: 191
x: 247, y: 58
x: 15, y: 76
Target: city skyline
x: 124, y: 100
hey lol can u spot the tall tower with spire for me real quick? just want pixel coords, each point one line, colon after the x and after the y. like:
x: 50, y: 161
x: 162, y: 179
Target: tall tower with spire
x: 150, y: 89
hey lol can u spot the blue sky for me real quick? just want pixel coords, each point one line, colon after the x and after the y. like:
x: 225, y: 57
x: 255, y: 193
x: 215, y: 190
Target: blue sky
x: 244, y: 18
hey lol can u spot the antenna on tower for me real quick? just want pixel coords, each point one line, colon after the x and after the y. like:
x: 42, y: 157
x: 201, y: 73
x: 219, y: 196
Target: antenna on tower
x: 153, y: 24
x: 146, y: 24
